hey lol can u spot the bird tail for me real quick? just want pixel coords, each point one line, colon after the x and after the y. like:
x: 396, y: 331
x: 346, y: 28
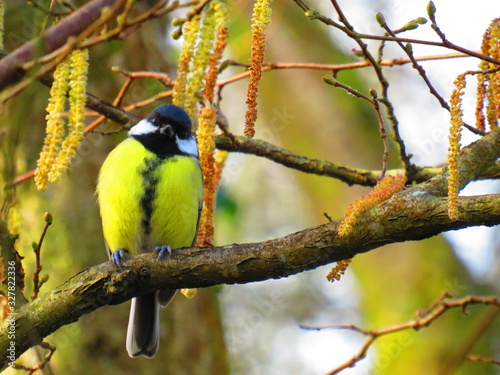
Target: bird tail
x: 143, y: 334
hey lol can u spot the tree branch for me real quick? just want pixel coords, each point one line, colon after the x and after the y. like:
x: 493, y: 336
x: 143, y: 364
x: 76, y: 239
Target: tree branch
x: 390, y: 222
x: 11, y: 69
x: 349, y: 175
x: 414, y: 214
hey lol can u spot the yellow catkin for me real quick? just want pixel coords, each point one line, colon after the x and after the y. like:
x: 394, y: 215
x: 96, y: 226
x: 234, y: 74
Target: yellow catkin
x: 76, y: 126
x: 384, y: 189
x: 260, y: 20
x: 480, y: 98
x: 55, y: 124
x: 190, y: 32
x: 222, y: 33
x: 454, y: 137
x: 220, y: 161
x: 204, y: 44
x: 206, y: 145
x: 188, y: 293
x: 493, y: 107
x: 483, y: 82
x: 200, y: 61
x: 338, y: 270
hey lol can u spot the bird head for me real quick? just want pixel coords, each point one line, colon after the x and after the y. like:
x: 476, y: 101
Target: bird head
x: 166, y: 131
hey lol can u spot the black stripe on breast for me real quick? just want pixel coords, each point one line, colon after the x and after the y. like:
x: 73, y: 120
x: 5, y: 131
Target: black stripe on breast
x: 149, y: 183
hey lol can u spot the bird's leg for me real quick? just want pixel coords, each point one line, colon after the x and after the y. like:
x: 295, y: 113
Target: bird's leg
x: 119, y: 256
x: 163, y: 252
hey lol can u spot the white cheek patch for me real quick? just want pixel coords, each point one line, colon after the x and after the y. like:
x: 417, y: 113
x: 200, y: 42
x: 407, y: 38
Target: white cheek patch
x: 142, y: 127
x: 188, y: 146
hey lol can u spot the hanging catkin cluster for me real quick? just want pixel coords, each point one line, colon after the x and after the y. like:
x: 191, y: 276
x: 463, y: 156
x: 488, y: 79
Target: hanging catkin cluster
x: 487, y: 109
x: 260, y: 20
x: 205, y: 39
x: 488, y: 88
x: 454, y: 137
x: 61, y: 140
x: 384, y: 189
x: 338, y: 270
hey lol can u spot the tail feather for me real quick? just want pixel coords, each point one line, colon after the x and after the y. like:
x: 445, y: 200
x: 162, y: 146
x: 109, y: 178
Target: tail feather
x: 143, y: 334
x: 165, y: 296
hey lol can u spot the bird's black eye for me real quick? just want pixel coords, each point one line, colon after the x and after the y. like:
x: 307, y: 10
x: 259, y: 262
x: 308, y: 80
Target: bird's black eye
x: 155, y: 121
x: 184, y: 135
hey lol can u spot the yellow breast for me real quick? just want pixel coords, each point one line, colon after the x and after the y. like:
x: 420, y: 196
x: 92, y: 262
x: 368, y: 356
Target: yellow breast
x: 146, y: 201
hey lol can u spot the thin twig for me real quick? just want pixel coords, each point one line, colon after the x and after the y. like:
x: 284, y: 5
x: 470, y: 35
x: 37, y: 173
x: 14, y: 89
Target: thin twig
x: 348, y: 29
x: 383, y: 136
x: 53, y: 38
x: 164, y: 78
x: 480, y: 358
x: 431, y: 43
x: 374, y: 102
x: 446, y: 43
x: 46, y: 359
x: 124, y: 27
x: 116, y: 103
x: 52, y: 59
x: 331, y: 67
x: 146, y: 102
x: 435, y: 310
x: 419, y: 69
x: 38, y: 265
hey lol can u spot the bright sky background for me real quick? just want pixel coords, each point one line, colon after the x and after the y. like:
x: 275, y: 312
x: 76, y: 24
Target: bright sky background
x: 424, y: 126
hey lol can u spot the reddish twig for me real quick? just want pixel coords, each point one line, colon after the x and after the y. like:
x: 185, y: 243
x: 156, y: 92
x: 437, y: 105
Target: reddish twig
x: 479, y: 358
x: 126, y: 26
x: 162, y: 77
x: 46, y: 359
x: 424, y: 319
x: 331, y: 67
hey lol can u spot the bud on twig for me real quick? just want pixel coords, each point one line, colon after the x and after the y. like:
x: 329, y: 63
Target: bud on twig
x: 431, y: 9
x: 178, y: 22
x: 48, y: 218
x: 329, y: 80
x: 410, y: 26
x: 380, y: 19
x: 176, y: 34
x: 224, y: 65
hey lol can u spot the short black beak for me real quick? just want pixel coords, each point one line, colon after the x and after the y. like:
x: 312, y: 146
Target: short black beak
x: 167, y: 130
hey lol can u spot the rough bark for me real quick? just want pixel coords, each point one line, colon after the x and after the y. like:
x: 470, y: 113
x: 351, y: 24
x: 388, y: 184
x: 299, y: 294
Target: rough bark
x: 409, y: 215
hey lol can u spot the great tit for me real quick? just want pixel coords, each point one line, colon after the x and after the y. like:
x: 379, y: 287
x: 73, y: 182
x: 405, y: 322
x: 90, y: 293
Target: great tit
x: 150, y: 192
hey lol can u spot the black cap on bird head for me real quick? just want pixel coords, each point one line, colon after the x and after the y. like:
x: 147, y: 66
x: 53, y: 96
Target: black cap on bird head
x: 166, y: 132
x: 171, y: 120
